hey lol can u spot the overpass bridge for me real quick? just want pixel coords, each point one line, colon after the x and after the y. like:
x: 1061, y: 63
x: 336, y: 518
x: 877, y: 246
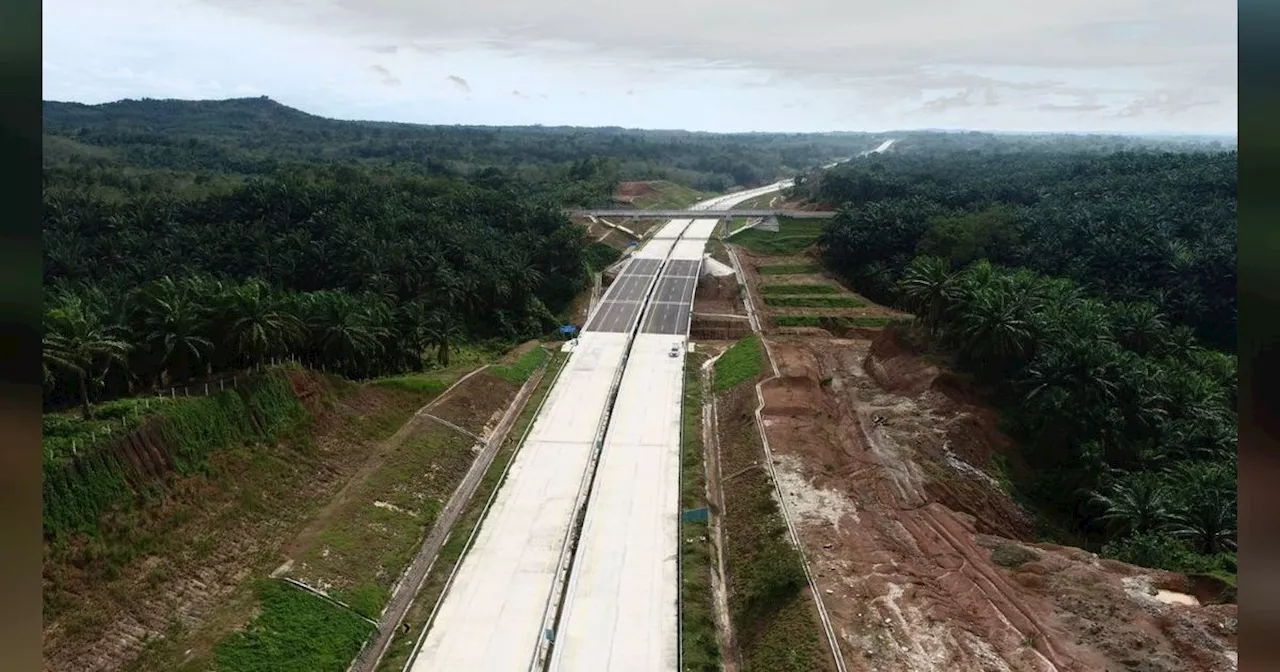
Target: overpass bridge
x: 702, y: 214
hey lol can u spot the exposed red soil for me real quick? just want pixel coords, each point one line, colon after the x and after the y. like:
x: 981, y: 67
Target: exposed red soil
x: 633, y: 189
x: 922, y: 561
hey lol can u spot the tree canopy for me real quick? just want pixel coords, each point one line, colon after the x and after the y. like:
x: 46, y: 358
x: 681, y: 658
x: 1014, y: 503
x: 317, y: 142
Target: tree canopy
x: 1093, y: 294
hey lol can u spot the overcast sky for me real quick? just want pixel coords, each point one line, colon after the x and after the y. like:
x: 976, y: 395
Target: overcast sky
x: 721, y: 65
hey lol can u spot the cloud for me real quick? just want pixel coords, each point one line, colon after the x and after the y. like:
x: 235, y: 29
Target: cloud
x: 460, y: 83
x: 953, y: 101
x: 824, y: 66
x: 385, y: 75
x: 1164, y: 102
x: 1077, y: 107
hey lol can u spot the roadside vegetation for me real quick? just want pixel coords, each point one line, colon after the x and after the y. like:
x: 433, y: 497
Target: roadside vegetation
x: 699, y: 645
x: 1093, y: 296
x: 295, y: 631
x: 744, y: 360
x: 792, y: 237
x: 519, y: 371
x: 834, y: 323
x: 775, y: 624
x: 813, y: 301
x: 798, y: 288
x: 789, y: 269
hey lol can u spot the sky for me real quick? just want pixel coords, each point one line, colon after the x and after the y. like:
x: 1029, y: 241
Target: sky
x: 1149, y: 66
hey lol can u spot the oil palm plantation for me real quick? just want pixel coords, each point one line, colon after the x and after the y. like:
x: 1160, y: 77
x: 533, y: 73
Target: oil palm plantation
x: 79, y: 343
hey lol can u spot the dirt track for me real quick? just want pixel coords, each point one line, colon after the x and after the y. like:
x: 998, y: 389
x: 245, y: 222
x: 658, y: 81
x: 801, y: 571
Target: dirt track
x: 923, y: 561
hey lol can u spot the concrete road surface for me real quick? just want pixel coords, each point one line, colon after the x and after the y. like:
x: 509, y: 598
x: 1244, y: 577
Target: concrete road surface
x: 621, y: 605
x: 492, y: 616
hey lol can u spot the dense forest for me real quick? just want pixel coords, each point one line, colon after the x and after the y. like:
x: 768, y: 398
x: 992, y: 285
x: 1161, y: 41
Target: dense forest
x: 1093, y: 294
x: 255, y: 136
x: 189, y: 238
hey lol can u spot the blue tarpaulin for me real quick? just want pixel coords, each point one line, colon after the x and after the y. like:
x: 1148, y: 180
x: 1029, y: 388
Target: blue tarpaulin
x: 698, y: 515
x: 568, y: 329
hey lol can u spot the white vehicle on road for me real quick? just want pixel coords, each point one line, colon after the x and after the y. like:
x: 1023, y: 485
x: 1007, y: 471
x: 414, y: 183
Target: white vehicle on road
x: 675, y: 350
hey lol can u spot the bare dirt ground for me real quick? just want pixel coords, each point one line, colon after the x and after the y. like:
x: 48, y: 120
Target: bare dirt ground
x: 634, y: 189
x: 923, y: 561
x: 720, y: 296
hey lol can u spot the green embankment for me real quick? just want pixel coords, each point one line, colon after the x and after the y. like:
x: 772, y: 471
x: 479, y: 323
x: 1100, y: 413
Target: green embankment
x: 519, y: 371
x: 814, y: 301
x: 295, y: 631
x: 789, y: 269
x: 669, y: 196
x: 80, y: 489
x: 798, y: 289
x: 792, y: 237
x: 699, y: 646
x: 775, y: 626
x: 743, y: 361
x: 832, y: 322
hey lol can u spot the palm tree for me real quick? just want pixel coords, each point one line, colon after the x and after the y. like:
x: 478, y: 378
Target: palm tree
x: 1205, y: 513
x: 929, y: 288
x: 175, y: 325
x: 340, y: 330
x: 1140, y: 327
x: 994, y: 329
x: 77, y: 341
x: 444, y: 333
x: 255, y: 323
x: 1140, y: 502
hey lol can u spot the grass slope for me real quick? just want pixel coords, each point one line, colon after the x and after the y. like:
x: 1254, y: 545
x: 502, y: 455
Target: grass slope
x: 295, y: 632
x: 793, y: 237
x: 699, y: 646
x: 744, y: 361
x: 814, y: 301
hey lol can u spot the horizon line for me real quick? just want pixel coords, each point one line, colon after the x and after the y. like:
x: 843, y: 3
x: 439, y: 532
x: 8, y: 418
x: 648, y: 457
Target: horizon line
x: 1234, y: 135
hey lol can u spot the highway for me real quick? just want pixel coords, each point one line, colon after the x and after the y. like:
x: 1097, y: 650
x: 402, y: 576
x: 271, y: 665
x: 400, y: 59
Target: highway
x: 621, y: 605
x: 503, y: 598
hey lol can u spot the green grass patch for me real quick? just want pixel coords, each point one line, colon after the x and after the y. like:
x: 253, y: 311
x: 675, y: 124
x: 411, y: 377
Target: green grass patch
x: 699, y: 646
x: 814, y: 301
x: 429, y: 386
x: 743, y: 361
x: 599, y: 256
x: 832, y: 322
x: 789, y: 269
x: 792, y: 237
x: 799, y: 289
x: 524, y: 367
x: 402, y: 642
x: 294, y: 632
